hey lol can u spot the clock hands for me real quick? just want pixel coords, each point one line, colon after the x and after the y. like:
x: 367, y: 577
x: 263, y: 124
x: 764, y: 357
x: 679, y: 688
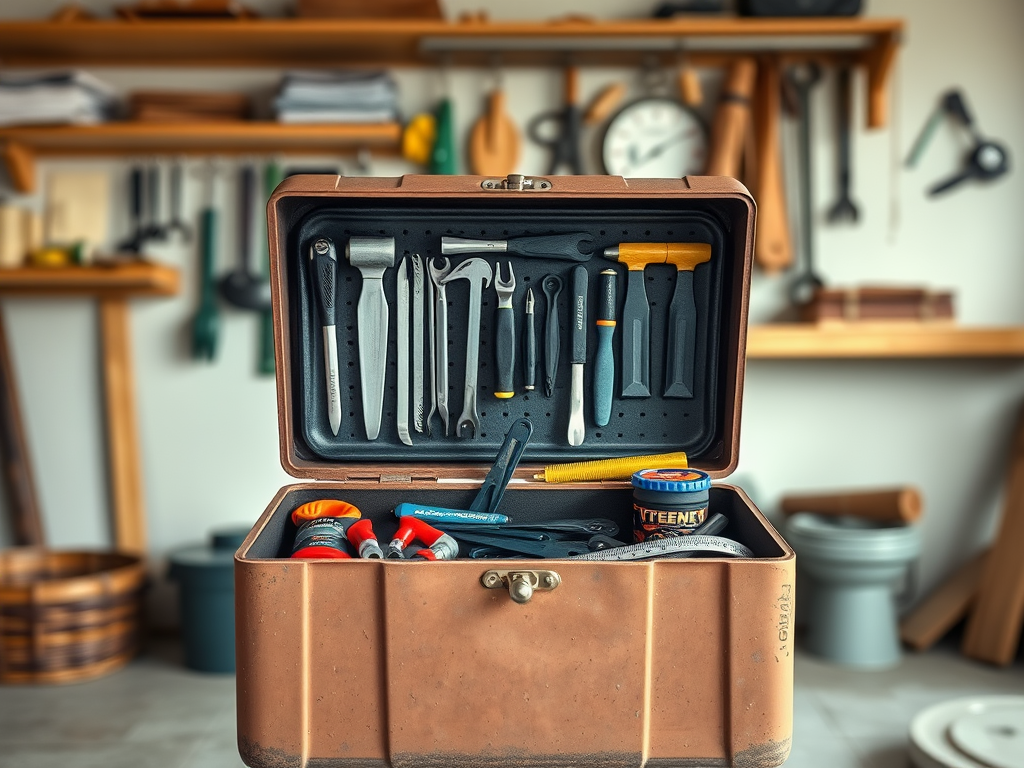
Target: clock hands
x: 658, y: 149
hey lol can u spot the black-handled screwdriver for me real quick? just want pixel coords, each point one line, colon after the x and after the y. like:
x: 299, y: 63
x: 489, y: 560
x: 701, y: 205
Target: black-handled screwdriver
x: 578, y: 246
x: 530, y: 337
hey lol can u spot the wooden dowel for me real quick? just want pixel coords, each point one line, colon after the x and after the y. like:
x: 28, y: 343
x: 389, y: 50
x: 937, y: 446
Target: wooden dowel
x: 943, y: 608
x: 22, y: 500
x: 898, y: 505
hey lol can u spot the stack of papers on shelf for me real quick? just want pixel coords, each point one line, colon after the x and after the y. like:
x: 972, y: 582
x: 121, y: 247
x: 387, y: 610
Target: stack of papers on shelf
x: 60, y: 97
x: 337, y: 97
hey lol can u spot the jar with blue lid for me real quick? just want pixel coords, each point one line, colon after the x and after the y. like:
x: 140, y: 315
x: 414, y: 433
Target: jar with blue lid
x: 669, y: 502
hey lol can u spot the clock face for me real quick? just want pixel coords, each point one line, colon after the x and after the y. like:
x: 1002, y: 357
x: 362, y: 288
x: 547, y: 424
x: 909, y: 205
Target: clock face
x: 655, y: 138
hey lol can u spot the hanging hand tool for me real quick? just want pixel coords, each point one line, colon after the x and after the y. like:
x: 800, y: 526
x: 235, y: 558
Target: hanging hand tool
x: 431, y: 351
x: 440, y: 546
x: 604, y: 104
x: 604, y: 359
x: 206, y: 324
x: 372, y: 256
x: 773, y: 247
x: 802, y: 79
x: 418, y: 278
x: 563, y: 140
x: 271, y: 178
x: 552, y: 286
x: 987, y: 159
x: 636, y: 315
x: 439, y: 336
x: 177, y: 224
x: 494, y: 139
x: 402, y: 336
x: 578, y: 246
x: 478, y: 273
x: 844, y: 208
x: 153, y: 229
x: 442, y: 156
x: 323, y: 268
x: 504, y: 333
x: 135, y: 241
x: 732, y: 119
x: 242, y: 287
x: 682, y: 319
x: 530, y: 344
x: 580, y: 284
x: 609, y: 469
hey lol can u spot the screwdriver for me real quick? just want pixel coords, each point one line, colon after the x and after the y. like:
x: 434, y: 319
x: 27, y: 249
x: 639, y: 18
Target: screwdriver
x: 574, y: 247
x: 604, y: 360
x: 577, y: 427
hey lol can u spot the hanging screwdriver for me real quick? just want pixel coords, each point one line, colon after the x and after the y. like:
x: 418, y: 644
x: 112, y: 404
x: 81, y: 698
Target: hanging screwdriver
x: 604, y: 360
x: 530, y: 340
x: 580, y: 284
x: 575, y: 247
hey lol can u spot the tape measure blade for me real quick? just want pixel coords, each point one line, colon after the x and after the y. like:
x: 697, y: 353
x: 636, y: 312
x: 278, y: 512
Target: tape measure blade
x: 682, y: 546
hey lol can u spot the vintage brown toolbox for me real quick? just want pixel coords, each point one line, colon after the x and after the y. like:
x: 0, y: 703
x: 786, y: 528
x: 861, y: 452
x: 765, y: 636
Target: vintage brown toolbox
x: 681, y: 662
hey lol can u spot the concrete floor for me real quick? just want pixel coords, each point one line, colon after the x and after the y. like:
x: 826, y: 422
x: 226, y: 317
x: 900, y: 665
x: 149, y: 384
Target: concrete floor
x: 157, y: 714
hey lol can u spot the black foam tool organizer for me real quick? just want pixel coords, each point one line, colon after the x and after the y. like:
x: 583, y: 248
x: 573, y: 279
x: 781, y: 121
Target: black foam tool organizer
x: 638, y: 425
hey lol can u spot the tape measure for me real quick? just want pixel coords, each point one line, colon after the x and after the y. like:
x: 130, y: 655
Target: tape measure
x: 679, y: 546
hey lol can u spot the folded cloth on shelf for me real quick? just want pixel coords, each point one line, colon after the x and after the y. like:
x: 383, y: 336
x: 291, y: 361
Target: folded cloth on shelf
x: 71, y: 96
x: 337, y: 97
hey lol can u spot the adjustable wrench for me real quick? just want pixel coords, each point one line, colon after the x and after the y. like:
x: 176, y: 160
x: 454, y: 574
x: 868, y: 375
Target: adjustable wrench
x: 478, y: 273
x: 439, y: 344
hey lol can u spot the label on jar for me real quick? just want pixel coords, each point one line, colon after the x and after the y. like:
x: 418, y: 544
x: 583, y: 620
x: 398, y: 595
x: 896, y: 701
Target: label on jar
x: 650, y: 524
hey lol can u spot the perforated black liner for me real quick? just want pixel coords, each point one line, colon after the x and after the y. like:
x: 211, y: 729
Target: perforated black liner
x: 524, y: 506
x: 648, y: 425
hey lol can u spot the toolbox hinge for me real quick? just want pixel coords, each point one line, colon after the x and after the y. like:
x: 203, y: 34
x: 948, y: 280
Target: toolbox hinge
x: 389, y: 478
x: 516, y: 182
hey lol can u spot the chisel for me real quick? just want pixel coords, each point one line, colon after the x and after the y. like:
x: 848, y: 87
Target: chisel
x: 574, y: 247
x: 604, y: 360
x: 636, y: 315
x: 580, y: 283
x: 323, y: 264
x: 682, y: 319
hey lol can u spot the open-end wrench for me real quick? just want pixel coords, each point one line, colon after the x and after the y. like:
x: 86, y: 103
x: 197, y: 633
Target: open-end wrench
x: 439, y: 343
x: 478, y: 273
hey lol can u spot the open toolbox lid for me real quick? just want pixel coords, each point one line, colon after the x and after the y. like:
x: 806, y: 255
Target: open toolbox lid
x: 417, y: 211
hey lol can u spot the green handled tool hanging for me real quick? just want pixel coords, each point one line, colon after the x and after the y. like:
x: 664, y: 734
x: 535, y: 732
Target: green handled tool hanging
x: 271, y: 178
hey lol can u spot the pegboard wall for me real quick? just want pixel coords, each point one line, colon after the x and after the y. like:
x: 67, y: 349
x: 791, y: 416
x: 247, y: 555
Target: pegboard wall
x: 638, y: 425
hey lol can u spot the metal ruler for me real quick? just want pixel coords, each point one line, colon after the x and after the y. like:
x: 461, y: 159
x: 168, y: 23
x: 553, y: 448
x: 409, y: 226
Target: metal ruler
x: 680, y: 546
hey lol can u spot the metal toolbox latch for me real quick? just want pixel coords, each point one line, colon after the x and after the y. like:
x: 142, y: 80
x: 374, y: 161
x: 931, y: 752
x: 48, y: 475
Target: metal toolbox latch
x: 521, y: 584
x: 516, y: 182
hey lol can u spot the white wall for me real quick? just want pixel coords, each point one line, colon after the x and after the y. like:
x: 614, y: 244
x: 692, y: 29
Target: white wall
x: 209, y: 435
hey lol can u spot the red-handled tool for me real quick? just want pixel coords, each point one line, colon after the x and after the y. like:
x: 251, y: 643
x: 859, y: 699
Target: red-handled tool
x: 440, y: 546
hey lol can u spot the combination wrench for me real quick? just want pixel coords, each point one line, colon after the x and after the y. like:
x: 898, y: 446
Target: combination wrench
x: 478, y: 273
x: 438, y: 322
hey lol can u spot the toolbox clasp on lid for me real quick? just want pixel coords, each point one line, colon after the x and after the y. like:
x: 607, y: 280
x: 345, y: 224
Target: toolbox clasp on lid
x: 521, y: 584
x: 516, y: 182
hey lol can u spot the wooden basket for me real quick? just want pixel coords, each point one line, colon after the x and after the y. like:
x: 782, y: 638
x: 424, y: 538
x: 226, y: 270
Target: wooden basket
x: 67, y: 616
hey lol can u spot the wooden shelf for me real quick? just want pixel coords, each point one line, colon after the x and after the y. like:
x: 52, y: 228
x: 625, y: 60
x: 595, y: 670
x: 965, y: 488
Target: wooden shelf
x: 882, y: 340
x: 124, y: 280
x: 21, y: 145
x: 417, y: 42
